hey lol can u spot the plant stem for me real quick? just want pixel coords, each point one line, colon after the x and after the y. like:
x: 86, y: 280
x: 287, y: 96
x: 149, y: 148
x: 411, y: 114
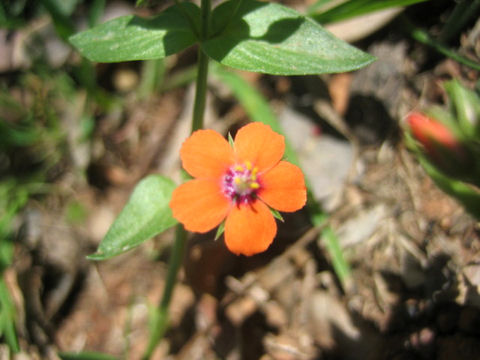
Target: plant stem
x: 423, y: 37
x: 200, y: 91
x: 202, y: 71
x: 463, y: 12
x: 160, y: 319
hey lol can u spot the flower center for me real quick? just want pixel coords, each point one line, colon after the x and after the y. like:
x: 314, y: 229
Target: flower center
x: 241, y: 183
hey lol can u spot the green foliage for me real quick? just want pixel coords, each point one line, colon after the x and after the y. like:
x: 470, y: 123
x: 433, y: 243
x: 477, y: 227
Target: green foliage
x: 464, y: 11
x: 153, y: 73
x: 146, y: 214
x: 134, y: 38
x: 340, y: 265
x: 12, y: 198
x: 353, y: 8
x: 247, y: 35
x: 59, y: 12
x: 456, y: 168
x: 465, y: 107
x: 274, y: 39
x: 96, y: 11
x: 7, y: 318
x: 87, y: 355
x: 425, y: 38
x: 465, y: 194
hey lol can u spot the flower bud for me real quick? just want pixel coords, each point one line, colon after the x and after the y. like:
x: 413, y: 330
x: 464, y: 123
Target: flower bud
x: 440, y: 145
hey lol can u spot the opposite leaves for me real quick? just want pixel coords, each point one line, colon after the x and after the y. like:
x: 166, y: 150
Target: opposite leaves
x: 247, y: 35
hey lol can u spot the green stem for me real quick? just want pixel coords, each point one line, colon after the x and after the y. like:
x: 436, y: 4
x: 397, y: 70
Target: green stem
x: 424, y: 38
x: 200, y: 92
x: 202, y: 72
x: 160, y: 320
x: 463, y: 12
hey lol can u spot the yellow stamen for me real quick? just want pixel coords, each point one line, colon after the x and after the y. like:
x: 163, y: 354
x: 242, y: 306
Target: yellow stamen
x: 254, y: 185
x: 254, y: 174
x: 237, y: 180
x: 248, y: 165
x: 239, y: 168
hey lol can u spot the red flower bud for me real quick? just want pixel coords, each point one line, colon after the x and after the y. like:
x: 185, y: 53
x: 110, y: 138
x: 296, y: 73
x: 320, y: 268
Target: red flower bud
x: 439, y: 143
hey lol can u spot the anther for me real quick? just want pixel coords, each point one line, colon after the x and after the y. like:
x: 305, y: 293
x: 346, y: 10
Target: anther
x: 254, y: 185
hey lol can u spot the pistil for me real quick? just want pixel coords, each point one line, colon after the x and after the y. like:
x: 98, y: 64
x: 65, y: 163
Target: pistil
x: 240, y: 183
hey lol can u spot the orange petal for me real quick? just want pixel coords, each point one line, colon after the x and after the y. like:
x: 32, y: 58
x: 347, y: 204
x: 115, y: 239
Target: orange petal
x: 260, y: 145
x: 283, y: 187
x: 206, y: 154
x: 199, y: 205
x: 249, y: 229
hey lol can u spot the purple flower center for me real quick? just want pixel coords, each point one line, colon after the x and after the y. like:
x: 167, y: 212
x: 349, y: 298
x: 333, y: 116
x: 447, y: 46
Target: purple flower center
x: 240, y: 183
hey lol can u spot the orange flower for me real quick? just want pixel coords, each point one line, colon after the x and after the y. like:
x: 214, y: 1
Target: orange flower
x: 237, y: 185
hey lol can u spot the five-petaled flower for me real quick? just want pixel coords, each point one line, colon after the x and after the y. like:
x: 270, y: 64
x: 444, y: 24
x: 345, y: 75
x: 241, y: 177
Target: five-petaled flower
x: 238, y: 185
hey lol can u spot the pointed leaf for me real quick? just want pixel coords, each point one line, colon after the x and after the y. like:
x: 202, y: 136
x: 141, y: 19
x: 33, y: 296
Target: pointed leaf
x: 352, y: 8
x: 273, y: 39
x: 146, y: 214
x: 134, y: 38
x: 87, y: 355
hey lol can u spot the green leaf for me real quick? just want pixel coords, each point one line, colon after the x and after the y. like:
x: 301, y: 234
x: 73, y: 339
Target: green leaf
x: 146, y: 214
x: 352, y: 8
x: 465, y: 106
x: 318, y: 5
x: 7, y: 318
x: 87, y: 355
x: 134, y: 38
x: 274, y: 39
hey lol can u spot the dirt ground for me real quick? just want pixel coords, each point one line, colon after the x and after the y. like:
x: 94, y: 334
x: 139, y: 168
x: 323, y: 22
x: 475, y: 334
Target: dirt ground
x: 414, y: 287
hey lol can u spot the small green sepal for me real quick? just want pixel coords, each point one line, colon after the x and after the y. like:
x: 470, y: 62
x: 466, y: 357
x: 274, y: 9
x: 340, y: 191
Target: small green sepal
x: 220, y: 231
x: 277, y: 215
